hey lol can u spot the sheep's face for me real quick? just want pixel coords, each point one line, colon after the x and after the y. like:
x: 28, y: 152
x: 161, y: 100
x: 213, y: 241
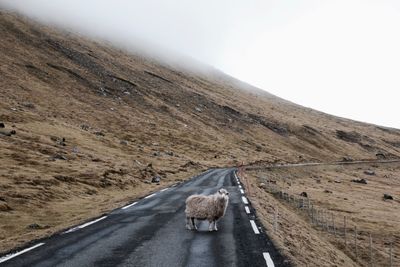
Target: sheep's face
x: 223, y: 193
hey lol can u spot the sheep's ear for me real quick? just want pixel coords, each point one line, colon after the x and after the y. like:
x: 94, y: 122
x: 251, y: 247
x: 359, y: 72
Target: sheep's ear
x: 219, y: 191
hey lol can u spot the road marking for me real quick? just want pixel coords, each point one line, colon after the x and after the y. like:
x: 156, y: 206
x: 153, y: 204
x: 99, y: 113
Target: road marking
x: 84, y: 225
x: 241, y: 191
x: 130, y: 205
x: 10, y: 256
x: 149, y: 196
x: 240, y: 186
x: 244, y: 199
x: 268, y: 260
x: 255, y: 229
x: 164, y: 189
x: 247, y: 209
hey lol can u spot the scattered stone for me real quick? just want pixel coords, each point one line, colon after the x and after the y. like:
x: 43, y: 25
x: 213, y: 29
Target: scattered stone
x: 169, y: 153
x: 177, y: 105
x: 156, y: 179
x: 7, y: 133
x: 61, y: 157
x: 85, y: 127
x: 5, y: 207
x: 369, y: 172
x: 124, y: 142
x: 360, y: 181
x: 75, y: 150
x: 262, y: 185
x: 91, y: 192
x: 318, y: 181
x: 347, y: 159
x: 198, y: 109
x: 156, y: 154
x: 36, y: 226
x: 2, y: 125
x: 99, y: 133
x: 380, y: 156
x: 327, y: 191
x: 387, y: 197
x: 13, y: 109
x: 64, y: 178
x: 304, y: 194
x: 147, y: 182
x: 28, y: 105
x: 338, y: 181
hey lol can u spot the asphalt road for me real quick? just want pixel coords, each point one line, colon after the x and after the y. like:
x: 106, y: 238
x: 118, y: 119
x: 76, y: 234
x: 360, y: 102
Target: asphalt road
x: 152, y: 233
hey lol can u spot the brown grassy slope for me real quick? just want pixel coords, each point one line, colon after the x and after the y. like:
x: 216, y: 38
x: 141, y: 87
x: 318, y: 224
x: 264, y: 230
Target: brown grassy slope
x: 330, y: 188
x: 58, y: 85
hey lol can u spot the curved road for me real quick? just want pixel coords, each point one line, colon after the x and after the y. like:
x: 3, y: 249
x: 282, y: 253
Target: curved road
x: 152, y: 232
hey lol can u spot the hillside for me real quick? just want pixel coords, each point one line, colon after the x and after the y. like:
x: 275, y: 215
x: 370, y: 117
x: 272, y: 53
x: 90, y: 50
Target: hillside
x: 94, y: 124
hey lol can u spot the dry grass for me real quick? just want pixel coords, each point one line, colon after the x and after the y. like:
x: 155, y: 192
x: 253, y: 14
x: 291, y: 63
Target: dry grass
x: 330, y: 188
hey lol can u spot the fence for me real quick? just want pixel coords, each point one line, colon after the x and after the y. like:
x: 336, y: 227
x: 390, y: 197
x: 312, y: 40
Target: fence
x: 356, y: 243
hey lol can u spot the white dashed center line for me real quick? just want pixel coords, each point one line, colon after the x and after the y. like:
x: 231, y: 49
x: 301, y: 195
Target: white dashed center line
x: 247, y: 209
x: 244, y: 199
x: 84, y: 225
x: 241, y: 191
x: 268, y: 260
x: 10, y: 256
x: 130, y: 205
x: 254, y: 226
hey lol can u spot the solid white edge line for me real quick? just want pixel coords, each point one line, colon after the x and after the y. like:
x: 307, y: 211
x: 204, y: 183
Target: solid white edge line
x: 164, y: 189
x: 247, y: 209
x: 130, y: 205
x: 84, y: 225
x: 254, y: 226
x: 244, y: 199
x: 10, y: 256
x: 268, y: 259
x: 149, y: 196
x: 241, y: 191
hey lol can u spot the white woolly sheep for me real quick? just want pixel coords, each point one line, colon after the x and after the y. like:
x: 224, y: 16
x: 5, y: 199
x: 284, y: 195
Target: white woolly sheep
x: 210, y: 208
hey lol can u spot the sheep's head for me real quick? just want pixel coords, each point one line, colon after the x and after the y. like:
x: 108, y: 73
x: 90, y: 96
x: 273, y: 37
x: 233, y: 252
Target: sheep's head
x: 223, y: 193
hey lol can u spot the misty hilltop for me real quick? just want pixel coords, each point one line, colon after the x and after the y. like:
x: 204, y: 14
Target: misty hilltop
x: 94, y: 122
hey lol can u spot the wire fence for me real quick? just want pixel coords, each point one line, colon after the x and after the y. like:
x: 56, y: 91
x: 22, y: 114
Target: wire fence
x: 361, y: 246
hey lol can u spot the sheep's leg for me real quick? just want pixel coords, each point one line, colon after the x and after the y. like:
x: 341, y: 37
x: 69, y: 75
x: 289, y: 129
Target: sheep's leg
x: 188, y: 226
x: 215, y: 225
x: 210, y: 226
x: 194, y: 226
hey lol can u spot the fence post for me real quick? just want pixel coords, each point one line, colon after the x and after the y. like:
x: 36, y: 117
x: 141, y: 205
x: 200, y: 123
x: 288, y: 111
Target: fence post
x: 391, y: 253
x: 370, y: 250
x: 275, y: 220
x: 333, y: 225
x: 355, y: 242
x: 345, y: 233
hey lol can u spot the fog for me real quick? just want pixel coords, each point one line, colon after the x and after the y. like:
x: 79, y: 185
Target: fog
x: 340, y: 57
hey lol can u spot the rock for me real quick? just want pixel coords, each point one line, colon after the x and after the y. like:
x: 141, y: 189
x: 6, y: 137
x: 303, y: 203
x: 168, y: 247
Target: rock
x: 387, y: 197
x: 37, y: 226
x: 380, y: 156
x: 304, y: 194
x: 327, y: 191
x: 12, y: 132
x: 124, y: 142
x: 369, y: 172
x: 147, y: 182
x: 169, y: 153
x: 99, y: 133
x: 360, y: 181
x: 156, y: 179
x: 85, y: 127
x: 338, y: 181
x: 59, y: 156
x: 2, y: 125
x: 262, y: 185
x: 4, y: 207
x: 28, y: 105
x: 198, y: 109
x: 156, y: 154
x: 347, y: 159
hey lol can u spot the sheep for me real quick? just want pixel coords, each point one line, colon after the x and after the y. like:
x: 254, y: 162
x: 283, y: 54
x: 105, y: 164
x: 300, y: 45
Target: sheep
x: 210, y: 208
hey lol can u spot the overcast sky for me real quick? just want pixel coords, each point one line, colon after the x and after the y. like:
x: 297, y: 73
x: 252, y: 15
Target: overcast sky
x: 341, y: 57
